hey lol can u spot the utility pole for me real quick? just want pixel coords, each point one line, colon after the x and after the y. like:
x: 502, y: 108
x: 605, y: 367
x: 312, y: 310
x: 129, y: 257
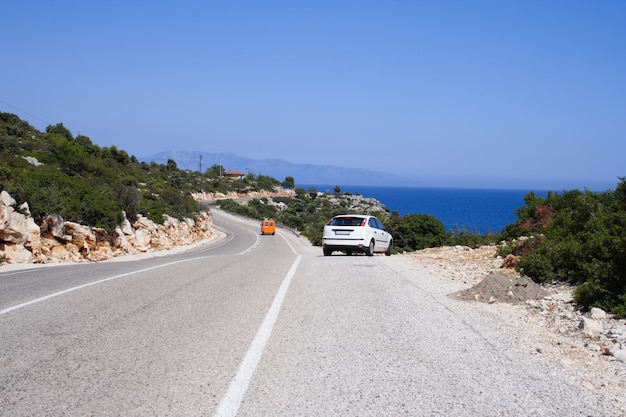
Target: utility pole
x: 200, y: 163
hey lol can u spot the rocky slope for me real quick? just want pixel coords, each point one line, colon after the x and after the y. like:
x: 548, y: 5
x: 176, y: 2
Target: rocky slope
x: 57, y: 240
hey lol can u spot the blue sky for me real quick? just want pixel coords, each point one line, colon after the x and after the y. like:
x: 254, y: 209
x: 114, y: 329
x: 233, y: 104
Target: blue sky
x: 493, y: 94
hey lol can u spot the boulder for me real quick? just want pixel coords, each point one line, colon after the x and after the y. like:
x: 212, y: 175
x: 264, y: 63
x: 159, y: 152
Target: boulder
x: 6, y: 200
x: 16, y: 253
x: 83, y: 237
x: 142, y: 240
x: 119, y: 240
x: 126, y: 227
x: 19, y: 234
x: 13, y: 224
x: 143, y: 223
x: 597, y: 313
x: 54, y: 225
x: 591, y: 328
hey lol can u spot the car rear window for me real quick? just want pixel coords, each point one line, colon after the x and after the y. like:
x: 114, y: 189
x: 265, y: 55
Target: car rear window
x: 346, y: 221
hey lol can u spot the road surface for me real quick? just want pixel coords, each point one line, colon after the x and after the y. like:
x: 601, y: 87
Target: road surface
x: 254, y: 325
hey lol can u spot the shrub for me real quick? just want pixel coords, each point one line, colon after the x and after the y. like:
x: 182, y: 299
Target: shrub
x: 417, y: 231
x: 463, y: 237
x: 581, y: 239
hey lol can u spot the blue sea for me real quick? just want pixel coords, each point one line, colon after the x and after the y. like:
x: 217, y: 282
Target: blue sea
x: 477, y: 210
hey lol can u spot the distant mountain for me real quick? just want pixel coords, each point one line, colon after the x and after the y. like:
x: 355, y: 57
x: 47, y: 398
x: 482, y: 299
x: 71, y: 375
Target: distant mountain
x: 279, y: 169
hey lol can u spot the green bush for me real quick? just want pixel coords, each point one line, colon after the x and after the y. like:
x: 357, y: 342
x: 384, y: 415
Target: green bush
x: 417, y: 231
x: 464, y: 237
x: 580, y: 239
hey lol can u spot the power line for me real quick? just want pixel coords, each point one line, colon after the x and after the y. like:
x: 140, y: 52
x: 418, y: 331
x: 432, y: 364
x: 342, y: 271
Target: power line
x: 25, y: 112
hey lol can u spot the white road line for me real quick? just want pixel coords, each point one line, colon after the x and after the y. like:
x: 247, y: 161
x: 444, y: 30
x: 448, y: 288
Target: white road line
x: 285, y: 239
x: 56, y: 294
x: 256, y: 243
x: 239, y: 385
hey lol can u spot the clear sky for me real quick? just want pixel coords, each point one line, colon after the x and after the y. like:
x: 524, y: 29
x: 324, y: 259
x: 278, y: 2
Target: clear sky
x: 494, y: 94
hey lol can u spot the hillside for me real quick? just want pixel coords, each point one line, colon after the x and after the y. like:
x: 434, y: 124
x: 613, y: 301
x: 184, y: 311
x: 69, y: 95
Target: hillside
x: 58, y: 173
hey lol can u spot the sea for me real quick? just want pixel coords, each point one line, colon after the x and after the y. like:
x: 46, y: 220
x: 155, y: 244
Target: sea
x: 475, y: 210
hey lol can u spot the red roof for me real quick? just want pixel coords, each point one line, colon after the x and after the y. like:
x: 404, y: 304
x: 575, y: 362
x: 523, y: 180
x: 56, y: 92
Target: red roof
x: 234, y: 173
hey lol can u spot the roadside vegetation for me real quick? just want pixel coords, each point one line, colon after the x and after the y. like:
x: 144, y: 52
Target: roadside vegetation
x: 55, y: 172
x: 576, y: 237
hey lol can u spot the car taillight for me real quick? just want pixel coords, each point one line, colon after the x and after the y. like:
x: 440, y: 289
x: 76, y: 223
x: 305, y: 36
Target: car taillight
x: 363, y: 222
x: 328, y: 222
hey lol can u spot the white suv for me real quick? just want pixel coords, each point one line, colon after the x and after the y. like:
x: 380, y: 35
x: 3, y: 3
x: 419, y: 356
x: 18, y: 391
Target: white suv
x: 356, y: 233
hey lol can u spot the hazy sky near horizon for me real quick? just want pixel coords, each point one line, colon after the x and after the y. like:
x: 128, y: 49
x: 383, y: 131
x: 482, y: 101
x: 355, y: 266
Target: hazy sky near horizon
x: 496, y: 94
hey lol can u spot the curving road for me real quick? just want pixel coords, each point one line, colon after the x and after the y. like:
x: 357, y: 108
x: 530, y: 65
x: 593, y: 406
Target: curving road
x: 255, y: 325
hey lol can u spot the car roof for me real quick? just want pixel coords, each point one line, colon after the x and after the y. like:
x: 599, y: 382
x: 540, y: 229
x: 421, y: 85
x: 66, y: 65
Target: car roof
x: 352, y: 215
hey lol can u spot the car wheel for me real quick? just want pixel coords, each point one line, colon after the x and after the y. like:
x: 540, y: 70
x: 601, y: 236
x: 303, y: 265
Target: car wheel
x: 388, y: 251
x: 370, y: 249
x: 327, y: 252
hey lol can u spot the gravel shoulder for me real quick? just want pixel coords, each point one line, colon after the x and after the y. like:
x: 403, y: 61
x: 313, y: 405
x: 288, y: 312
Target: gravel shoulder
x: 590, y: 348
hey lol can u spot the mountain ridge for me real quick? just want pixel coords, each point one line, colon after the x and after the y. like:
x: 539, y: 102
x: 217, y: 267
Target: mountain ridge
x: 279, y: 169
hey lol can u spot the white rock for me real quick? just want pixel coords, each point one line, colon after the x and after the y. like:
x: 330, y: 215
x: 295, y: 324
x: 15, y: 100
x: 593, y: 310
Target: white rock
x: 32, y: 160
x: 6, y: 199
x: 590, y: 327
x: 18, y: 227
x: 597, y: 313
x: 142, y: 240
x: 119, y: 239
x: 620, y: 354
x: 55, y: 226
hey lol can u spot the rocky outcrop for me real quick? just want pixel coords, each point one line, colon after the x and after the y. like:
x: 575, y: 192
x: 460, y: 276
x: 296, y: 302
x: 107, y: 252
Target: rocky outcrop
x: 19, y: 234
x: 58, y: 240
x: 208, y: 197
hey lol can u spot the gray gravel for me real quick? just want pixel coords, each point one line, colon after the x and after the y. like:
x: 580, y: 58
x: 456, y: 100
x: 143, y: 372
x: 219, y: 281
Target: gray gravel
x: 380, y: 336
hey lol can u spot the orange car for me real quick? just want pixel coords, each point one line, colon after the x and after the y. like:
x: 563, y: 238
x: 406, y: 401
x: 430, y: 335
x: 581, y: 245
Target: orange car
x: 268, y: 227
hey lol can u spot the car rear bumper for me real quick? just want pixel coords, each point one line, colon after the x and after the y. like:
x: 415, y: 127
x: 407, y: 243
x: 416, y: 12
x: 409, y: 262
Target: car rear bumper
x: 344, y: 244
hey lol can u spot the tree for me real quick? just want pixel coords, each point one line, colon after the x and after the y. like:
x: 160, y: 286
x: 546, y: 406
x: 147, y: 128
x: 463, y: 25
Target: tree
x: 60, y: 130
x: 289, y: 183
x: 215, y: 171
x: 300, y: 193
x: 171, y: 165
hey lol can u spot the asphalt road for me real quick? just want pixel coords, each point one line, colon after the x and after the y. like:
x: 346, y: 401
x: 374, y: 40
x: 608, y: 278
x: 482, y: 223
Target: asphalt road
x: 255, y: 325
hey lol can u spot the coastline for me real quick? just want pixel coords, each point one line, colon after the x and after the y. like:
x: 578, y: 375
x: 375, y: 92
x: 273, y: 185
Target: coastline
x: 472, y: 209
